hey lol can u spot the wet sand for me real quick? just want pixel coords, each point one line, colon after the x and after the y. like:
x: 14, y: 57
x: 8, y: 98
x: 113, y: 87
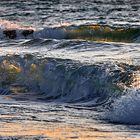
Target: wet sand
x: 41, y: 130
x: 36, y: 120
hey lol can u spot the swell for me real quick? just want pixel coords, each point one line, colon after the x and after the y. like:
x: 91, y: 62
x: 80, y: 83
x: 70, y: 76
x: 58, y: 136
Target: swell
x: 66, y: 80
x: 86, y: 32
x: 104, y: 33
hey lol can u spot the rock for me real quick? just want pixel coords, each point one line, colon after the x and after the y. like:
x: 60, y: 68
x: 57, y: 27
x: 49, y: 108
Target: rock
x: 11, y: 34
x: 27, y: 32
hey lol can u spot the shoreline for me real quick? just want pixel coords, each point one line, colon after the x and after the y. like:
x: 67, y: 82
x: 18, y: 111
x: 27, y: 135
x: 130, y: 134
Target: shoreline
x: 39, y: 121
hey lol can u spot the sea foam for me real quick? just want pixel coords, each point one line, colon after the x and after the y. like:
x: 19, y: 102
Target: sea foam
x: 126, y: 109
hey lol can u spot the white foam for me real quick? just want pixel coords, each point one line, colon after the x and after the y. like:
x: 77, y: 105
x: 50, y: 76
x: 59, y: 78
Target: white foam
x: 126, y: 109
x: 55, y: 33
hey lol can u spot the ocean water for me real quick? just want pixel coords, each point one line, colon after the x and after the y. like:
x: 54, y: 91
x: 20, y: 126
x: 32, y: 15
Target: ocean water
x: 80, y: 57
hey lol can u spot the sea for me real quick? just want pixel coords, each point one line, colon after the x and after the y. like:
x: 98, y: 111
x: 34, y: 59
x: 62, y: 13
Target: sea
x: 71, y: 62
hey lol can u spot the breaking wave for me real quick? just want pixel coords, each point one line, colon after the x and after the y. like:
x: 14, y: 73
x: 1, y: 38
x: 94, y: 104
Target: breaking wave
x: 125, y: 109
x: 87, y: 32
x: 110, y: 86
x: 66, y: 80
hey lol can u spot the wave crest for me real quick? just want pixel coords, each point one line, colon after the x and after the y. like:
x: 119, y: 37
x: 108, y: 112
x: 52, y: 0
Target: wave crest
x: 87, y: 32
x: 62, y: 80
x: 126, y: 109
x: 66, y: 80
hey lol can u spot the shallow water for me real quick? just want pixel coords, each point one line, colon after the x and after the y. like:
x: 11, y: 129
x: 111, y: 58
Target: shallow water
x: 71, y: 63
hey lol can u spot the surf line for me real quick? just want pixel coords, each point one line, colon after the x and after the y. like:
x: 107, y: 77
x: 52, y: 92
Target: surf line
x: 99, y: 33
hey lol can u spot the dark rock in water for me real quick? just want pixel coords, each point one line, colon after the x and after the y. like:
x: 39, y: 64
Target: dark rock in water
x: 27, y: 32
x: 11, y: 34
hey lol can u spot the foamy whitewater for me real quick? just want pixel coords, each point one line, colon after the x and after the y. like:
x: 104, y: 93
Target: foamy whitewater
x: 81, y: 55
